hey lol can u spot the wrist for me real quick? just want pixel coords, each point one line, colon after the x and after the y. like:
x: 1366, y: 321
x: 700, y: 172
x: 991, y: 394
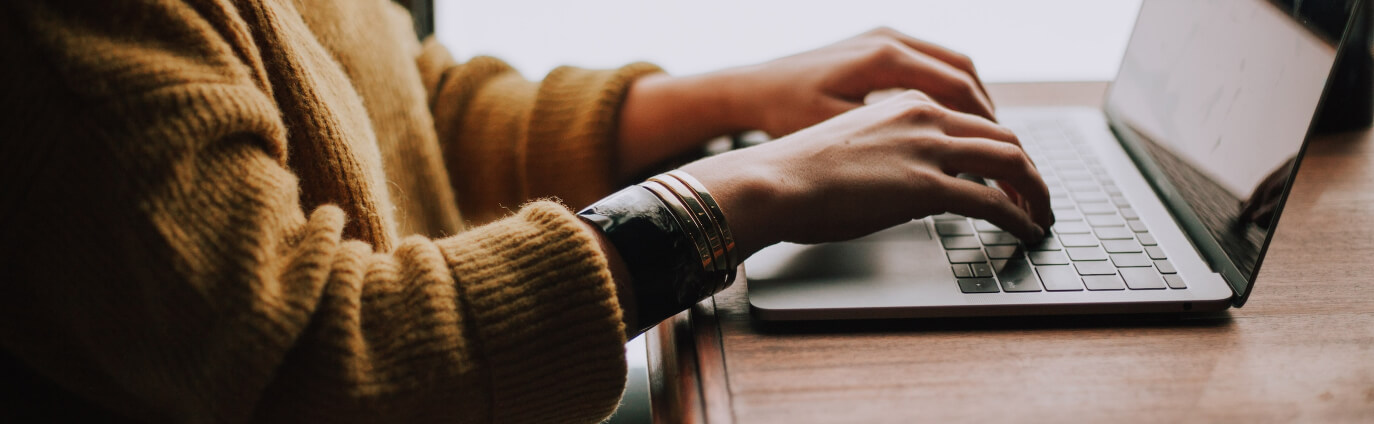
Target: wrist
x: 749, y: 195
x: 662, y: 250
x: 733, y: 95
x: 666, y: 117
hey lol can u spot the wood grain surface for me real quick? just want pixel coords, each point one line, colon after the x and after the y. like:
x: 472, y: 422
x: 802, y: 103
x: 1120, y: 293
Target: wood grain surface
x: 1301, y: 350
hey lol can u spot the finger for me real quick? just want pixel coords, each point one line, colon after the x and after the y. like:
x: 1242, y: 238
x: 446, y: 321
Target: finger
x: 907, y: 68
x: 975, y: 200
x: 1011, y: 192
x: 888, y: 93
x: 960, y: 124
x: 953, y: 58
x: 1008, y: 165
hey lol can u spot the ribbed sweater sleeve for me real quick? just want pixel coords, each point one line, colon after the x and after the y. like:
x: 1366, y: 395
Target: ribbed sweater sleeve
x: 158, y: 260
x: 511, y: 139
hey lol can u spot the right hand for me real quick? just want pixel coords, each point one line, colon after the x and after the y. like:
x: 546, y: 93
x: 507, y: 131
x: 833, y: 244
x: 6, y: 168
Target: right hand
x: 874, y: 167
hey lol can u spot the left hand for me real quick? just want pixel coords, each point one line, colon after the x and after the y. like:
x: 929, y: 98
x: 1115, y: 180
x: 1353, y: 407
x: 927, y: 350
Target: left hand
x: 795, y: 92
x: 665, y: 116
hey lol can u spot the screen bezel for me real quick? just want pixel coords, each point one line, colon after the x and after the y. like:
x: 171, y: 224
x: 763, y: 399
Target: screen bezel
x: 1133, y: 142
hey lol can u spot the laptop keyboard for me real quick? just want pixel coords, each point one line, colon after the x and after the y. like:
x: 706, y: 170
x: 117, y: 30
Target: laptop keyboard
x: 1098, y: 242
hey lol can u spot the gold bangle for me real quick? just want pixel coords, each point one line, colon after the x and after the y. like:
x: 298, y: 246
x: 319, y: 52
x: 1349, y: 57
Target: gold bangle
x: 700, y: 216
x: 727, y: 238
x: 689, y: 227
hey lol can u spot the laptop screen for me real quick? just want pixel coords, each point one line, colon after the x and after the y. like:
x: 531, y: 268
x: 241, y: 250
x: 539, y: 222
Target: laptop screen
x: 1219, y: 95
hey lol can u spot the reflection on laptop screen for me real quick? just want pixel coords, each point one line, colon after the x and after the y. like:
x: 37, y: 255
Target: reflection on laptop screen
x: 1221, y: 93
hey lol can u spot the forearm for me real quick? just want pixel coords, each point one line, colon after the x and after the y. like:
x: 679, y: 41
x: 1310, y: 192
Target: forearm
x: 664, y: 117
x: 507, y: 140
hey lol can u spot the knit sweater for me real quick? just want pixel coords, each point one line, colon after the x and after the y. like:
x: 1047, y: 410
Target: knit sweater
x: 219, y: 211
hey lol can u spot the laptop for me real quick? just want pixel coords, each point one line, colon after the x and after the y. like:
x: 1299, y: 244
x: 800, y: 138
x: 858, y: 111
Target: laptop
x: 1165, y: 197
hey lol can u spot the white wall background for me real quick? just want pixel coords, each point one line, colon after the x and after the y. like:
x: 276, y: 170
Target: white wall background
x: 1009, y: 40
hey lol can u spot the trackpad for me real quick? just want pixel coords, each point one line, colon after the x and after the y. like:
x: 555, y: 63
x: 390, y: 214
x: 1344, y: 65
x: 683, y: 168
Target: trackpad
x: 892, y: 252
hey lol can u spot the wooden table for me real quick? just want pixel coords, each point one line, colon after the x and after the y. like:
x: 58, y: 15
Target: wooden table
x: 1301, y: 350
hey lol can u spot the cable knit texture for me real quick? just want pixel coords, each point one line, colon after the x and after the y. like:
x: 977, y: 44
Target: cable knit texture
x: 222, y: 211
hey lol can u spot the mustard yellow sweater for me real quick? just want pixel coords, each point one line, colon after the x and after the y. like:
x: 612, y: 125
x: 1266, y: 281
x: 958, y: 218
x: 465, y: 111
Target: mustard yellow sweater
x: 218, y: 211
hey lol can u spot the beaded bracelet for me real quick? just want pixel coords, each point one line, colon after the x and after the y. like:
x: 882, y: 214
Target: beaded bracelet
x: 674, y: 240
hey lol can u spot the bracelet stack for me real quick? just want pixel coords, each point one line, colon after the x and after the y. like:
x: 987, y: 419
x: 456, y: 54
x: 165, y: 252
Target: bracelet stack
x: 674, y: 240
x: 694, y: 208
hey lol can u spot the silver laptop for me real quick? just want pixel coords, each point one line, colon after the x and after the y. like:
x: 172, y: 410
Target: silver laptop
x: 1165, y: 198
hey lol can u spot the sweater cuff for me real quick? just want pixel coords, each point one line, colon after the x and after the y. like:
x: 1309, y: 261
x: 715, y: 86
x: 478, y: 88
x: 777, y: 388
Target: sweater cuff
x: 545, y: 312
x: 572, y: 153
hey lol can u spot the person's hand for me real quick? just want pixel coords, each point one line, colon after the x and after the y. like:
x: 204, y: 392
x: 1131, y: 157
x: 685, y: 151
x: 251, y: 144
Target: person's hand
x: 872, y: 168
x: 664, y: 117
x: 795, y: 92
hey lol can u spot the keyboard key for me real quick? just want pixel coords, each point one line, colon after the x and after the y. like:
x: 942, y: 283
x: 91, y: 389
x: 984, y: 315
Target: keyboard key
x: 1165, y: 267
x: 953, y: 228
x: 960, y: 242
x: 1155, y: 252
x: 1120, y: 201
x: 1114, y: 233
x: 1061, y: 207
x: 1174, y: 281
x: 1090, y: 197
x: 1059, y: 278
x: 1064, y: 155
x: 1104, y: 282
x: 966, y: 256
x: 1049, y: 258
x: 1005, y: 252
x: 1071, y: 227
x: 1146, y: 239
x: 1047, y: 243
x: 1069, y: 174
x: 1067, y: 215
x: 1086, y: 253
x: 1121, y: 246
x: 961, y: 271
x: 981, y: 270
x: 984, y: 226
x: 1063, y: 160
x: 1095, y: 268
x: 1111, y: 188
x: 1077, y: 240
x: 978, y: 285
x: 997, y: 239
x: 1129, y: 213
x: 1097, y: 208
x: 1142, y: 278
x: 1105, y: 221
x: 1016, y: 276
x: 1127, y: 260
x: 1136, y: 225
x: 1081, y: 186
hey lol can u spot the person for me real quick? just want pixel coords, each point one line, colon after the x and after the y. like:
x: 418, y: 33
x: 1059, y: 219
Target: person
x: 272, y: 210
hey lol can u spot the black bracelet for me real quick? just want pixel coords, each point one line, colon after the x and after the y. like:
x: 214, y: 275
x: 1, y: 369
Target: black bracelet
x: 662, y: 259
